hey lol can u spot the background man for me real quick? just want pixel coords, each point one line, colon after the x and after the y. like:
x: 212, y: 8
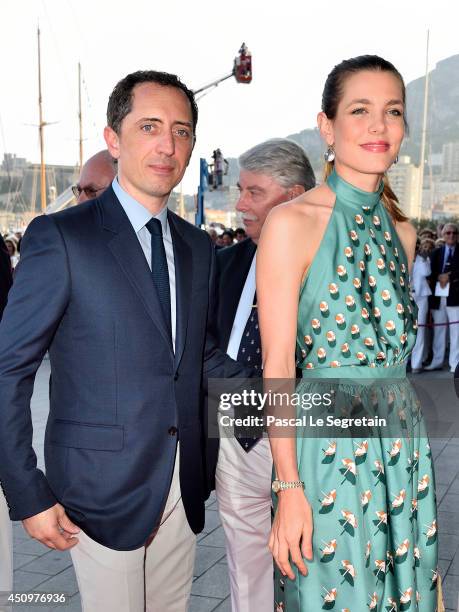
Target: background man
x: 126, y: 313
x: 445, y: 270
x: 6, y: 534
x: 95, y: 176
x: 270, y: 173
x: 227, y: 238
x: 239, y: 234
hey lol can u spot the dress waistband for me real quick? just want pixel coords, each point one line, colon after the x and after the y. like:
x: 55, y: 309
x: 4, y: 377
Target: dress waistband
x: 357, y: 372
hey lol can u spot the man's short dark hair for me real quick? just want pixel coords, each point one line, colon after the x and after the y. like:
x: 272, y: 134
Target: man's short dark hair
x: 120, y: 101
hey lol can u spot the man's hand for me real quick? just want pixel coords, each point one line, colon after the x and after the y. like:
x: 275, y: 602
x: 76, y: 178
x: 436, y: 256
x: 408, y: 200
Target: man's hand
x: 443, y: 279
x: 53, y: 528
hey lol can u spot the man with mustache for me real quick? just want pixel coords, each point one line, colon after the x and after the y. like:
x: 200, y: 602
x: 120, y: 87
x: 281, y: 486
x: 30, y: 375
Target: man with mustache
x: 127, y: 313
x: 270, y: 173
x: 445, y: 308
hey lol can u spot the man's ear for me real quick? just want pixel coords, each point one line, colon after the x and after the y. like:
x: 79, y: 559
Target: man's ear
x: 113, y: 142
x: 295, y: 191
x: 326, y: 128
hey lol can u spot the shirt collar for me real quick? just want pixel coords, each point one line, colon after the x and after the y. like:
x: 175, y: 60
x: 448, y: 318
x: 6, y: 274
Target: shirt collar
x: 137, y: 214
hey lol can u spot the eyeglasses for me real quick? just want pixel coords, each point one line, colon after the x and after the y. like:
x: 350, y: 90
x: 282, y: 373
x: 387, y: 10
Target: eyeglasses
x: 450, y: 233
x: 89, y: 192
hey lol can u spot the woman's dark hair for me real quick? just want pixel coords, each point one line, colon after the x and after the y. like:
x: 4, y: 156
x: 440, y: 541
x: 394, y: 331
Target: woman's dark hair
x: 332, y: 95
x: 120, y: 101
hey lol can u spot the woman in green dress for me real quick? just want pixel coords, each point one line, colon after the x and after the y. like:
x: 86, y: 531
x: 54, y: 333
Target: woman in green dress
x: 332, y: 279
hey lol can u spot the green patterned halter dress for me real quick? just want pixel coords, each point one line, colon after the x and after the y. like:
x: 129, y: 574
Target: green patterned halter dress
x: 373, y: 497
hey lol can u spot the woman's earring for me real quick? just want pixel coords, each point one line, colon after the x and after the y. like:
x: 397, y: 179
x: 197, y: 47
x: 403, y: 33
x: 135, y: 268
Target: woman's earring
x: 395, y: 160
x: 329, y: 154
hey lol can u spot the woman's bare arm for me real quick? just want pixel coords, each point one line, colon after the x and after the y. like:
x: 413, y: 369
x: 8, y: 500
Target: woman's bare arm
x: 407, y: 235
x: 280, y: 265
x: 281, y: 261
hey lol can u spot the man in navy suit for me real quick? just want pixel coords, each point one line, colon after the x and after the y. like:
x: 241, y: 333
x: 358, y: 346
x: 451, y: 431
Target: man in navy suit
x: 121, y: 292
x: 444, y: 301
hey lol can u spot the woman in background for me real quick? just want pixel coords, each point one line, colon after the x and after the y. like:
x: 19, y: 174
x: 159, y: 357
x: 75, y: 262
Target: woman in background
x: 421, y: 291
x: 12, y: 247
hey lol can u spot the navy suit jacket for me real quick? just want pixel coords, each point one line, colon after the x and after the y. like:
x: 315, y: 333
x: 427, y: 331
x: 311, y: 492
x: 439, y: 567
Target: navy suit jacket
x: 5, y: 275
x: 119, y: 396
x: 436, y: 261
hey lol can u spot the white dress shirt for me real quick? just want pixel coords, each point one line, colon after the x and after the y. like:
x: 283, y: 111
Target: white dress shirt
x: 139, y: 216
x: 243, y: 311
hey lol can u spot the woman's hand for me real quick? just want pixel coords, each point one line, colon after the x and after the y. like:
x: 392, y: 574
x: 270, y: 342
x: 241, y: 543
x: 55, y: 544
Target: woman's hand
x: 291, y: 533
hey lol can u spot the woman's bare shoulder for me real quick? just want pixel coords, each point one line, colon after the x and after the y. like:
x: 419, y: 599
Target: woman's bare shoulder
x: 307, y: 207
x: 407, y: 230
x: 407, y: 235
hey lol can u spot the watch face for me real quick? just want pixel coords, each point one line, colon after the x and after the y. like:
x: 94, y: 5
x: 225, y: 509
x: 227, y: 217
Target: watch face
x: 276, y: 486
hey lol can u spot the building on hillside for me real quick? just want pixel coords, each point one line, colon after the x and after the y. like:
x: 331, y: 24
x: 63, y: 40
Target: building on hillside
x: 450, y: 165
x: 404, y: 180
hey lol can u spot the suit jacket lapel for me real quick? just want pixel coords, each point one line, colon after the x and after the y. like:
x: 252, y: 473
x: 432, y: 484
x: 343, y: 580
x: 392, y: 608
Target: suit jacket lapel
x: 125, y: 247
x: 183, y: 260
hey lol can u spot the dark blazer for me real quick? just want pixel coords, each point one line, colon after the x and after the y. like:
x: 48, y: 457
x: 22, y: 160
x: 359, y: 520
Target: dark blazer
x: 436, y: 262
x: 6, y: 278
x: 233, y: 265
x: 119, y: 397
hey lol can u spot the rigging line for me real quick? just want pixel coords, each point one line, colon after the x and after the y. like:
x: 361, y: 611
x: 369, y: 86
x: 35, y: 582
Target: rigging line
x: 83, y: 44
x: 88, y: 101
x: 78, y: 29
x: 59, y: 54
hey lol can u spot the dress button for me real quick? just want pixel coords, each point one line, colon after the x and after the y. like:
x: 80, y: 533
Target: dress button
x: 172, y: 431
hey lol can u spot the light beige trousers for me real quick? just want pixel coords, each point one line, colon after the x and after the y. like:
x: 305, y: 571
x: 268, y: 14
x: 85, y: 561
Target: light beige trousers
x: 243, y: 487
x: 152, y: 579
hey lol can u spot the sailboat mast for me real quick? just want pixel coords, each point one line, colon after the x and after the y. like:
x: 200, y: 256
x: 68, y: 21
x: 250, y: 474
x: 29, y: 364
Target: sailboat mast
x: 41, y: 125
x: 80, y: 115
x: 424, y: 131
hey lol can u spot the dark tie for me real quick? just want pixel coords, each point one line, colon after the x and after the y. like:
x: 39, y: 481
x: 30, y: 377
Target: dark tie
x: 448, y: 260
x: 249, y: 354
x: 159, y: 269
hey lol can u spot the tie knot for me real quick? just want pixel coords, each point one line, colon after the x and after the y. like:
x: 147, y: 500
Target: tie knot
x: 154, y: 227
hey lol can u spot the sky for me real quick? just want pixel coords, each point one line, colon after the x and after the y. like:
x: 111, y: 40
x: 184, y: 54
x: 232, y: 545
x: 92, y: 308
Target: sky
x: 294, y: 43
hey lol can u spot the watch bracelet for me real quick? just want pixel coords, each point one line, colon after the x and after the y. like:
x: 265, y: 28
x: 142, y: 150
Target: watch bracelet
x: 291, y: 484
